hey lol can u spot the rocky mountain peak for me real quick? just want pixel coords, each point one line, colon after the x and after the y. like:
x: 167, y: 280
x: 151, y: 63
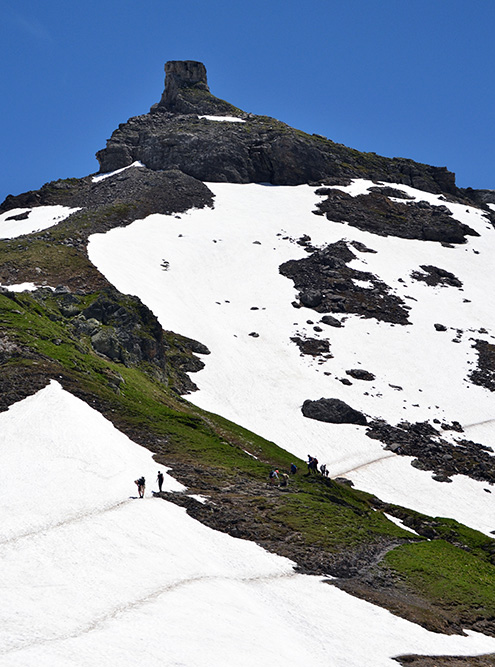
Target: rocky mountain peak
x: 179, y: 134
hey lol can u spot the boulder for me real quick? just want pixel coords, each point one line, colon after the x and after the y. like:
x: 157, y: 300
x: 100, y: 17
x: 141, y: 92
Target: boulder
x: 106, y: 343
x: 331, y: 321
x: 360, y: 374
x: 332, y: 410
x: 310, y: 298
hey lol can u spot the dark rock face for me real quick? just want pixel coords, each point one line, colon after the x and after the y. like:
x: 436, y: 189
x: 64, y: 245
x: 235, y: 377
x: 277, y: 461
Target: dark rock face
x: 260, y: 150
x: 432, y: 275
x: 377, y: 214
x: 423, y: 441
x: 332, y: 410
x: 325, y: 283
x: 124, y: 330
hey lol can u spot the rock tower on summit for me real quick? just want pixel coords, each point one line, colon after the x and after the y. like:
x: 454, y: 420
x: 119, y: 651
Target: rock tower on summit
x: 186, y: 90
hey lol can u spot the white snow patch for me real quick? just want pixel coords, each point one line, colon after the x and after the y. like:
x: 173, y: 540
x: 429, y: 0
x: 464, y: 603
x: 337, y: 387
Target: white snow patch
x: 365, y: 284
x: 21, y: 287
x: 39, y: 218
x: 102, y: 177
x: 224, y: 119
x: 249, y: 454
x: 201, y: 499
x: 399, y: 523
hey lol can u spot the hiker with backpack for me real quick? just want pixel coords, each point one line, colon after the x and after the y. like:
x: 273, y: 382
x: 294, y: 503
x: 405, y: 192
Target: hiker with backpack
x: 140, y: 483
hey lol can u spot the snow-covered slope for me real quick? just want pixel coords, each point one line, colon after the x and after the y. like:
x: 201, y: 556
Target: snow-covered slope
x: 92, y: 576
x: 214, y: 275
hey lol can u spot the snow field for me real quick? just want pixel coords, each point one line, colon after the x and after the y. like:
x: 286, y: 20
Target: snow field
x: 222, y: 263
x: 39, y: 218
x: 138, y: 581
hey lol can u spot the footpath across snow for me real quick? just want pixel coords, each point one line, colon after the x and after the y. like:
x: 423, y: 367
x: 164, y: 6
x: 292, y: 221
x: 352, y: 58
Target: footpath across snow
x: 92, y: 576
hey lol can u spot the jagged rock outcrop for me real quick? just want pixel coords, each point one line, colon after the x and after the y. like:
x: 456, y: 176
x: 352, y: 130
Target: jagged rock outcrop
x: 120, y: 328
x: 261, y: 149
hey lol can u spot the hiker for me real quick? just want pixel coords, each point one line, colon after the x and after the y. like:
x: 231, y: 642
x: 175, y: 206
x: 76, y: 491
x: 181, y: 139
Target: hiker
x: 273, y: 476
x: 323, y: 469
x: 284, y: 479
x: 313, y: 465
x: 310, y: 461
x: 293, y: 468
x: 140, y: 483
x: 159, y: 479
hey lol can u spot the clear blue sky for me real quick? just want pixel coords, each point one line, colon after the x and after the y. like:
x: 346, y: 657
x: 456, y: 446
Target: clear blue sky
x: 409, y: 78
